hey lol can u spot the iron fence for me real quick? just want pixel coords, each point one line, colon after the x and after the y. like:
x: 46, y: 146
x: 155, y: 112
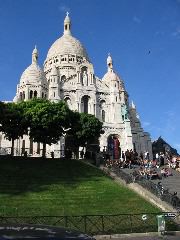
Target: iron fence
x: 97, y: 224
x: 29, y: 153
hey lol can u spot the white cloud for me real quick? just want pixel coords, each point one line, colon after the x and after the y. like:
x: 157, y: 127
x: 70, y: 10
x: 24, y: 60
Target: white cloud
x: 177, y: 146
x: 136, y: 19
x: 64, y: 8
x: 176, y: 33
x: 146, y: 124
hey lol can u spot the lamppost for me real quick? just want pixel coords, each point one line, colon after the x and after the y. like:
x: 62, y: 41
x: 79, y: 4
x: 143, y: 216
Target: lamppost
x: 64, y: 135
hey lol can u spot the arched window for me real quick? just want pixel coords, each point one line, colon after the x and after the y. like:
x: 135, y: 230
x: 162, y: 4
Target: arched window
x: 31, y: 94
x: 103, y: 115
x: 85, y: 103
x: 68, y: 101
x: 42, y: 95
x: 35, y: 94
x: 102, y: 110
x: 23, y: 95
x: 20, y: 95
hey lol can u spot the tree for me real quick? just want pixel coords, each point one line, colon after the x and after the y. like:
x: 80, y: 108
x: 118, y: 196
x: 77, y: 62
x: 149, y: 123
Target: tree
x: 86, y: 129
x: 13, y: 124
x: 46, y: 120
x: 2, y: 106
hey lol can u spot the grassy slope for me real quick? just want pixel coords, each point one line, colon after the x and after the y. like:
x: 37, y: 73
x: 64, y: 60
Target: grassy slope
x: 62, y: 187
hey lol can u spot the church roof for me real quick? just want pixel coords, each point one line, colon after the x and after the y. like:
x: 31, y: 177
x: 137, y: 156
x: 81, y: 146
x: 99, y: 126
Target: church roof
x: 67, y: 44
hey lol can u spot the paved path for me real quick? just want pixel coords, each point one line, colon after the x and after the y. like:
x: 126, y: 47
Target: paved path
x: 149, y: 238
x: 172, y: 183
x: 141, y: 236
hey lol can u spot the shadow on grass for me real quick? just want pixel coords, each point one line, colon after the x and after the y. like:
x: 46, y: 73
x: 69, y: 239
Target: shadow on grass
x: 19, y: 175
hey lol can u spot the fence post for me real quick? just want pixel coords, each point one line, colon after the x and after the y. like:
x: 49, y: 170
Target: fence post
x: 66, y: 221
x: 85, y: 224
x: 102, y: 219
x: 130, y: 216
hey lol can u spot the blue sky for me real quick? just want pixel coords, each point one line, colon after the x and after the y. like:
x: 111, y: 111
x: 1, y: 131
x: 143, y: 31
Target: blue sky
x: 143, y: 37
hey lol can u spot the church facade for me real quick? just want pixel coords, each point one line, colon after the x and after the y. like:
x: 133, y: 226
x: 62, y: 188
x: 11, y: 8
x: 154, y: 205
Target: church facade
x: 68, y: 75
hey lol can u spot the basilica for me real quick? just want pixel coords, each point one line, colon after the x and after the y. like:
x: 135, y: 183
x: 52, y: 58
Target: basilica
x: 68, y: 75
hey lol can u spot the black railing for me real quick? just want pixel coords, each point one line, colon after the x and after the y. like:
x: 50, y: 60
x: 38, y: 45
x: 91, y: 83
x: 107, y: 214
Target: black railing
x: 126, y: 177
x: 97, y: 224
x: 157, y: 190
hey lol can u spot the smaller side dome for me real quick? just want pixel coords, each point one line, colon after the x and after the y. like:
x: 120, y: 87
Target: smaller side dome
x: 111, y: 75
x: 33, y: 74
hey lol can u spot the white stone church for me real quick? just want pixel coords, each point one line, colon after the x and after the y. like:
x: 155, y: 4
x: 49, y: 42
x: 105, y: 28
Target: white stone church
x: 68, y: 75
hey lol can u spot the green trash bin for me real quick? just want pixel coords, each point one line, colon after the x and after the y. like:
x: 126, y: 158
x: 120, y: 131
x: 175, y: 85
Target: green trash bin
x: 161, y: 223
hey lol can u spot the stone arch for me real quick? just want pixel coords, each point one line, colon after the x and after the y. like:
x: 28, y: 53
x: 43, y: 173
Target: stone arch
x: 102, y: 110
x: 31, y: 94
x: 85, y: 104
x: 35, y: 94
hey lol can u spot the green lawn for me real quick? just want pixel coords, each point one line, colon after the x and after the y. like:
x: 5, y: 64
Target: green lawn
x: 62, y: 187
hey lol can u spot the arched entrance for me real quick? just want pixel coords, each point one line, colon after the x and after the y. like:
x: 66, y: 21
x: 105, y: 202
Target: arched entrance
x: 113, y: 146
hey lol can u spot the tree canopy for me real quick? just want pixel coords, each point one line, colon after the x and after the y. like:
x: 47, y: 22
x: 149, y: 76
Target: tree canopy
x: 86, y: 129
x: 46, y: 122
x: 13, y: 123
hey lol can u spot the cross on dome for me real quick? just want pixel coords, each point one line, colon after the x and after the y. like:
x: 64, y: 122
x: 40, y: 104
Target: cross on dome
x: 67, y: 14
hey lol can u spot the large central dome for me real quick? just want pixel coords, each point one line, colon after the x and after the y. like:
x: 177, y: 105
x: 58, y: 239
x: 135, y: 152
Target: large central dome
x: 67, y: 44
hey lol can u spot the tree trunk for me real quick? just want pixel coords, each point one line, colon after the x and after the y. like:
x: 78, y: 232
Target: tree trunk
x: 12, y: 148
x: 44, y: 150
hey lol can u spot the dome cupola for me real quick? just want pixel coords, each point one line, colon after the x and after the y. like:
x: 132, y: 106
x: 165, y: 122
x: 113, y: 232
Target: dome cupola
x: 33, y: 82
x: 109, y: 63
x: 67, y: 25
x: 65, y: 50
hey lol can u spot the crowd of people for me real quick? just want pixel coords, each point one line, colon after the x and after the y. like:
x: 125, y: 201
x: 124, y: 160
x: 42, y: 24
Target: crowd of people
x: 157, y: 168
